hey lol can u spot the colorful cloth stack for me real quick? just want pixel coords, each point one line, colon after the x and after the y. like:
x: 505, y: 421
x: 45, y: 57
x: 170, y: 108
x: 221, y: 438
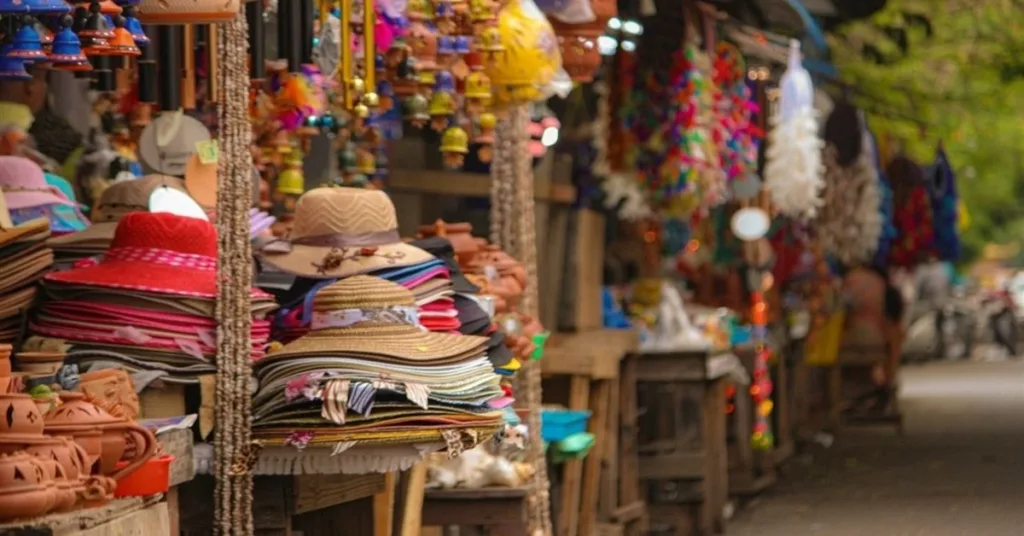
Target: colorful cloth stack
x: 148, y: 303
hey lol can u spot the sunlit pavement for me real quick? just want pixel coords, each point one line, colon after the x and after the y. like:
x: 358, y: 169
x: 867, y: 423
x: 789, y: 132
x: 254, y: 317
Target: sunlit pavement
x: 959, y: 470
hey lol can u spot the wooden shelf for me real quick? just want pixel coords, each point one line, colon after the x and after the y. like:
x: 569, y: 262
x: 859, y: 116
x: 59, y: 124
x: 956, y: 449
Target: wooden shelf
x: 455, y: 183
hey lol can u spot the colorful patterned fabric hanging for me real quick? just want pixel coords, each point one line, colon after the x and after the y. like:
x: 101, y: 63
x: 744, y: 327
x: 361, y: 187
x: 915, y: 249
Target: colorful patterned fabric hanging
x: 941, y: 182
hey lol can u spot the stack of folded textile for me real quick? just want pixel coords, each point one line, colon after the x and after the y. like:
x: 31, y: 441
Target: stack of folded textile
x: 24, y: 259
x: 147, y: 304
x: 121, y: 198
x: 368, y: 374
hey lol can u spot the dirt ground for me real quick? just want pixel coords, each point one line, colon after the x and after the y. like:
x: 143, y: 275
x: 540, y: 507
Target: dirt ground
x: 958, y: 471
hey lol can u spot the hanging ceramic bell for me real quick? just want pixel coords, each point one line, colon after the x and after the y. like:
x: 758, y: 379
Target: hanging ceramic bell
x: 12, y: 68
x: 444, y: 16
x: 134, y: 26
x: 385, y: 96
x: 93, y: 32
x: 41, y: 7
x: 123, y: 43
x: 45, y: 35
x: 291, y: 181
x: 455, y: 146
x: 107, y: 7
x: 366, y: 164
x: 477, y: 92
x: 442, y: 100
x: 422, y: 41
x: 486, y: 125
x: 416, y: 110
x: 445, y: 51
x: 481, y: 12
x: 192, y: 12
x: 26, y: 45
x: 66, y: 54
x: 490, y: 41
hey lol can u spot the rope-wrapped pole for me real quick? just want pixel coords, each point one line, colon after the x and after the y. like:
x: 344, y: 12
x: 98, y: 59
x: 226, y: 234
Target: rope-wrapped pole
x: 513, y: 226
x: 234, y: 450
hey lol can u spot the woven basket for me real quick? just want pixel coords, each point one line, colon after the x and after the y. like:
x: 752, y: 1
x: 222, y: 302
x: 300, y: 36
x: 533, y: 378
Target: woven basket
x: 187, y: 11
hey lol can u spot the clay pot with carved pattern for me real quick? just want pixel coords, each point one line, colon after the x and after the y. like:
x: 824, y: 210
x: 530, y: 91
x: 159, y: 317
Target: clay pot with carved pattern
x: 79, y: 415
x: 21, y: 422
x: 25, y: 489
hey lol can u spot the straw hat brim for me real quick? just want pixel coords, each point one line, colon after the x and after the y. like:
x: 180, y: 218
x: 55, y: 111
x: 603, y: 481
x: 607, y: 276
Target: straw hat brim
x: 97, y: 233
x: 400, y: 343
x: 306, y: 261
x: 24, y: 231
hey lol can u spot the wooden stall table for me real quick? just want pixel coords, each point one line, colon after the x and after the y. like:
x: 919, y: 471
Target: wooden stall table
x: 589, y: 362
x: 499, y: 511
x: 681, y: 437
x: 141, y: 516
x: 178, y: 443
x: 862, y: 357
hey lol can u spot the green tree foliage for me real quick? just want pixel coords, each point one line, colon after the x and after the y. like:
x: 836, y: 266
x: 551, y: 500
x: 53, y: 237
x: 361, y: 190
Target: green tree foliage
x: 950, y: 70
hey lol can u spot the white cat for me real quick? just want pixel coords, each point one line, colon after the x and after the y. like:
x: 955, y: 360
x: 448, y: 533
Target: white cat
x: 491, y: 464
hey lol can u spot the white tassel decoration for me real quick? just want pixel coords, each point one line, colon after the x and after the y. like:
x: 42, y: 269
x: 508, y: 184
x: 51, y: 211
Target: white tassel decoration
x: 850, y: 222
x: 793, y: 170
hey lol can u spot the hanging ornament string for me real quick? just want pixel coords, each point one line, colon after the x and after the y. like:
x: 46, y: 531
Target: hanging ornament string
x: 234, y: 451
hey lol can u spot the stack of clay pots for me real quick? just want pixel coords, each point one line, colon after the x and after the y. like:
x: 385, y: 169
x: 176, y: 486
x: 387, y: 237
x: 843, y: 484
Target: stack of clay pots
x: 66, y: 459
x: 5, y: 367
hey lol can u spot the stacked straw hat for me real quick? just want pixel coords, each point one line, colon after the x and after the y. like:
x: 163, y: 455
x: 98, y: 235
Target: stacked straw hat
x: 339, y: 232
x: 369, y: 373
x: 24, y: 259
x: 147, y: 304
x: 29, y: 194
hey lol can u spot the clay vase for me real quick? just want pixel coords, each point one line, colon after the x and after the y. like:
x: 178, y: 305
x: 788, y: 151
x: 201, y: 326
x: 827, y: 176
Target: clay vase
x: 459, y: 234
x: 93, y: 490
x: 40, y: 362
x: 25, y: 489
x: 79, y: 415
x: 112, y: 390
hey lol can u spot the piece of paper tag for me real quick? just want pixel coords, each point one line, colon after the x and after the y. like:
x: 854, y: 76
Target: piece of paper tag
x: 207, y: 151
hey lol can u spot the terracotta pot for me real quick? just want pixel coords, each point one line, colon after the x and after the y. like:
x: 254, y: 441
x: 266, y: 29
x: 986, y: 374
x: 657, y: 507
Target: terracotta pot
x: 64, y: 495
x: 40, y: 362
x: 459, y: 234
x: 62, y: 451
x: 19, y: 417
x: 77, y: 414
x: 25, y: 489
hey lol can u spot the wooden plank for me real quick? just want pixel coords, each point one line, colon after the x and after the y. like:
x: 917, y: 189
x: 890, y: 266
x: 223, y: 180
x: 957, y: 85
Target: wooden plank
x: 672, y: 367
x: 551, y: 255
x: 272, y: 505
x: 180, y: 444
x: 81, y: 520
x: 716, y: 477
x: 150, y: 521
x: 572, y: 470
x: 412, y: 517
x: 600, y: 392
x: 459, y: 184
x: 587, y: 274
x: 316, y: 492
x: 595, y: 354
x: 677, y: 465
x: 502, y: 510
x: 173, y: 513
x: 629, y: 462
x: 608, y: 500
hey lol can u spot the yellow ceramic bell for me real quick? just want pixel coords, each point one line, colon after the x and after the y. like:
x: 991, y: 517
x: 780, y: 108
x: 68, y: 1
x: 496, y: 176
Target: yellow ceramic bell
x: 481, y: 10
x: 490, y: 40
x: 531, y: 57
x: 366, y: 163
x: 292, y: 181
x: 477, y: 92
x: 441, y: 108
x: 485, y: 136
x: 454, y: 145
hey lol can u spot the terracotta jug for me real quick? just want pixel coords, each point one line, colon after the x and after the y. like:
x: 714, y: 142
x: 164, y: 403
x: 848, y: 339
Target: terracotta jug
x: 25, y: 489
x: 77, y: 414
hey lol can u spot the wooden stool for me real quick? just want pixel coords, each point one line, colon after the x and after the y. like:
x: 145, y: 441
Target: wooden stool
x: 682, y: 442
x: 502, y: 511
x: 589, y: 362
x: 859, y: 357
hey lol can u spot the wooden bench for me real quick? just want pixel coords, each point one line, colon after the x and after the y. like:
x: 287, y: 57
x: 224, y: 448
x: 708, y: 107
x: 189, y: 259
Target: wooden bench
x: 859, y: 357
x: 681, y: 442
x: 581, y: 370
x: 132, y: 516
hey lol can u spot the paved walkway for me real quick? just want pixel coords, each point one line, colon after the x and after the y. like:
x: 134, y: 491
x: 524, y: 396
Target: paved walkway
x: 958, y: 471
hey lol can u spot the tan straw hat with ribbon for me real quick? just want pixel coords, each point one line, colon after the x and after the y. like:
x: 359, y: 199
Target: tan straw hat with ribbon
x: 168, y: 143
x: 119, y: 199
x: 339, y: 232
x: 372, y: 317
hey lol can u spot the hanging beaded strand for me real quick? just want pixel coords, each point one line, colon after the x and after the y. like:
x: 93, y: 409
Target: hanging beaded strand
x: 234, y: 452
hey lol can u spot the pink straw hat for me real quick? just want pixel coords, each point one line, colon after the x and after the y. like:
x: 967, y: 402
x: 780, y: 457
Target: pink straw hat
x: 24, y: 185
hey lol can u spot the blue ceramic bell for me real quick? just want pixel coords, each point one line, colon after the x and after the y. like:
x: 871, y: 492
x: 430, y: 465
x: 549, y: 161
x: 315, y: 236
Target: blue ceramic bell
x: 132, y: 24
x: 66, y: 53
x: 444, y: 82
x: 26, y: 45
x: 445, y: 45
x: 12, y: 68
x: 462, y: 45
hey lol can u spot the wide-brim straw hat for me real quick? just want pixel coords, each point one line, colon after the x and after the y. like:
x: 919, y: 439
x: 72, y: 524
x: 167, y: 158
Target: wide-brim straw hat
x: 340, y: 232
x: 23, y: 185
x: 373, y: 308
x: 167, y: 143
x: 119, y: 199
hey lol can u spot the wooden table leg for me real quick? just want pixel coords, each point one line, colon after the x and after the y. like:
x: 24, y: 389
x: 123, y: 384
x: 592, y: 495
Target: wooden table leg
x: 598, y: 426
x: 384, y: 507
x: 629, y: 458
x: 572, y: 470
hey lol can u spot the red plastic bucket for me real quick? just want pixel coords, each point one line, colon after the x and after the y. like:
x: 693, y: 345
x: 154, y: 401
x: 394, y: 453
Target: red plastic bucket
x: 152, y: 478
